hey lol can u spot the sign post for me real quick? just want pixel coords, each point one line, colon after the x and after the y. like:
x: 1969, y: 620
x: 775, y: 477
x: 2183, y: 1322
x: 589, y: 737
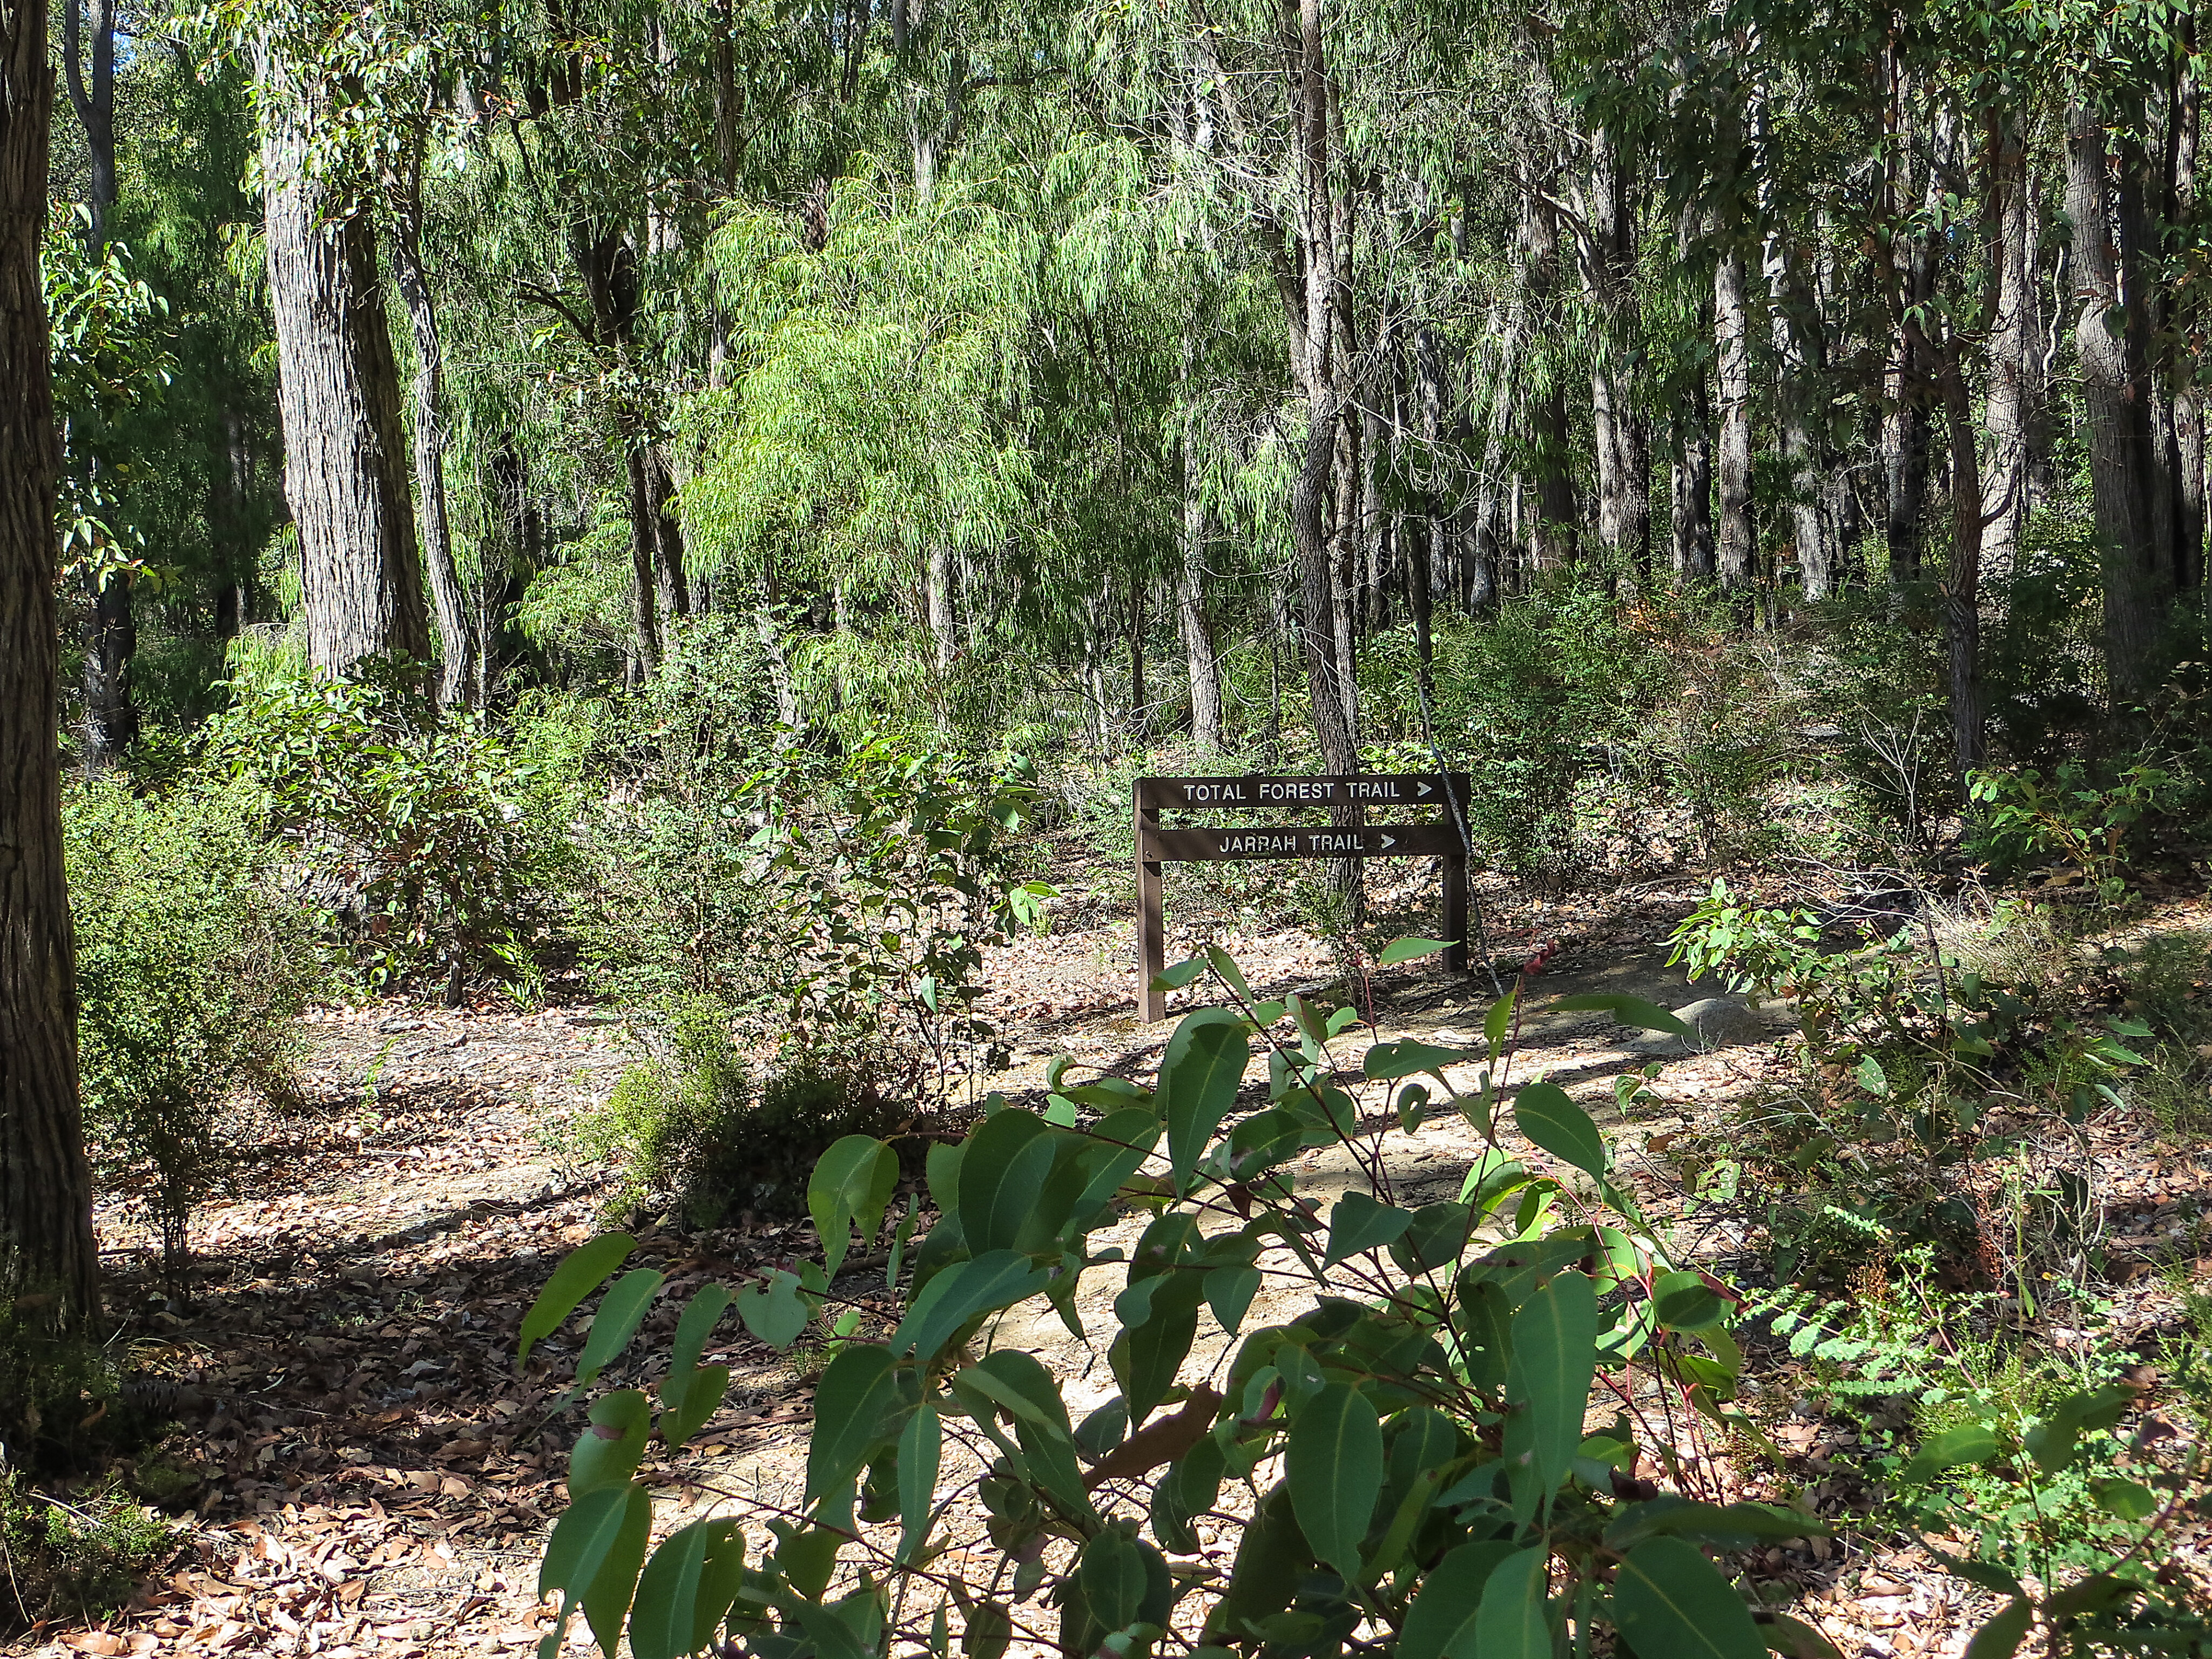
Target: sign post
x: 1157, y: 845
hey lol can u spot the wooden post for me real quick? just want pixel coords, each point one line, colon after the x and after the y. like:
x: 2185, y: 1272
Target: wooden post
x: 1455, y: 916
x: 1151, y: 937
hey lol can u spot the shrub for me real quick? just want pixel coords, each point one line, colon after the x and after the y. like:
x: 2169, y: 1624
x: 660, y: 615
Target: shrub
x: 190, y: 969
x: 694, y: 1121
x: 77, y: 1556
x: 1408, y: 1437
x: 426, y: 843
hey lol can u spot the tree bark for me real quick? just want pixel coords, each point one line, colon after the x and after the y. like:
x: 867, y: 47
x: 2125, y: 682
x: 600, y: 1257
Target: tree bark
x: 943, y: 629
x: 2186, y: 322
x: 1553, y: 541
x: 49, y: 1263
x: 1911, y: 286
x: 1191, y: 618
x: 1737, y: 545
x: 1622, y: 427
x: 345, y: 455
x: 2014, y: 360
x: 2117, y: 410
x: 457, y: 676
x: 1690, y: 496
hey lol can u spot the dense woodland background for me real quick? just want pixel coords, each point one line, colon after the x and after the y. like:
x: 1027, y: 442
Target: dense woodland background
x: 663, y: 503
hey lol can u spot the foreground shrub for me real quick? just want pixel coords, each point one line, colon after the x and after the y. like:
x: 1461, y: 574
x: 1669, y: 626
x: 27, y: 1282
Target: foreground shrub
x: 1402, y: 1446
x: 1405, y: 1429
x: 191, y: 966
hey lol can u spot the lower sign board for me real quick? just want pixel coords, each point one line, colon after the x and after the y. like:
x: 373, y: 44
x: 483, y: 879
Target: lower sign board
x: 1393, y: 841
x: 1443, y: 839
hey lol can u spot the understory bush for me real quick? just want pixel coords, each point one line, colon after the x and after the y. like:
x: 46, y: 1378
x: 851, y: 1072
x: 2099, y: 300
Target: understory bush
x: 1934, y: 1100
x: 74, y: 1555
x: 1618, y: 735
x: 191, y: 966
x: 697, y: 1120
x: 422, y: 841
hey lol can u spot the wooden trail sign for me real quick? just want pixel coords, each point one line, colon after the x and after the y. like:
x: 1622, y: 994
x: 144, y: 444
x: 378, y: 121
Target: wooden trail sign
x: 1155, y: 845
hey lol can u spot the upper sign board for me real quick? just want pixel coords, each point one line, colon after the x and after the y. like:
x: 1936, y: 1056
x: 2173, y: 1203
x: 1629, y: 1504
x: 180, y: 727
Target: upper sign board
x: 1395, y: 789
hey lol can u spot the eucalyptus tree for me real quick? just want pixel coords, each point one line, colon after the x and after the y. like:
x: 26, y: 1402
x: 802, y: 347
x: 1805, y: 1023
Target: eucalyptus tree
x: 324, y: 81
x: 49, y: 1264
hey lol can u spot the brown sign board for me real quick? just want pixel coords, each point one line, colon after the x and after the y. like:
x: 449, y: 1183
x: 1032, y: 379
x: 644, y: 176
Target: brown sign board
x: 1401, y: 789
x: 1441, y: 838
x: 1304, y: 842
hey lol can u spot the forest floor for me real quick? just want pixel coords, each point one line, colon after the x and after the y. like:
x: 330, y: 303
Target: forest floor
x: 361, y: 1469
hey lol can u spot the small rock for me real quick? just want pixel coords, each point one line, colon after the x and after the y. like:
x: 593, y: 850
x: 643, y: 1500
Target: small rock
x: 1720, y: 1023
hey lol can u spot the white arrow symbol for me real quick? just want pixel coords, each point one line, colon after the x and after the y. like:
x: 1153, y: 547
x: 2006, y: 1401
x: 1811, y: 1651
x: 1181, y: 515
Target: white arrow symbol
x: 1423, y: 789
x: 1389, y: 842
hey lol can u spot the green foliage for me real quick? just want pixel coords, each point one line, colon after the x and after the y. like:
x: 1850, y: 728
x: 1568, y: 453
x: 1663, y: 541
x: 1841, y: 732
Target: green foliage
x: 1923, y: 1081
x: 1602, y: 731
x: 75, y: 1555
x: 112, y: 360
x: 424, y: 842
x: 881, y: 885
x: 1979, y: 1434
x: 1420, y: 1397
x: 694, y: 1120
x: 191, y: 965
x: 2087, y: 816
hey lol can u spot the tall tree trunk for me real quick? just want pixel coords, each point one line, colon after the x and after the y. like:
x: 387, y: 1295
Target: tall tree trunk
x: 1549, y: 445
x: 943, y: 628
x: 1737, y: 548
x: 49, y: 1264
x: 1911, y: 287
x: 111, y: 720
x: 1315, y: 318
x: 1691, y: 435
x: 1140, y: 713
x: 2117, y: 412
x: 2013, y: 368
x: 457, y: 678
x: 1962, y: 579
x: 1622, y: 427
x: 2185, y: 323
x: 1801, y: 351
x: 1191, y: 615
x: 345, y: 455
x: 644, y: 607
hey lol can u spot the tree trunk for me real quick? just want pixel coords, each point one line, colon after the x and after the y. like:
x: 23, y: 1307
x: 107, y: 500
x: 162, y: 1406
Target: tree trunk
x: 49, y: 1264
x: 1738, y: 544
x: 2187, y: 322
x: 1691, y: 494
x: 1962, y: 579
x: 2117, y: 413
x: 1621, y: 429
x: 457, y: 678
x: 1912, y: 286
x: 2013, y: 365
x: 1549, y: 445
x: 1191, y: 618
x: 1327, y: 671
x: 1801, y: 352
x: 345, y: 457
x: 938, y: 580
